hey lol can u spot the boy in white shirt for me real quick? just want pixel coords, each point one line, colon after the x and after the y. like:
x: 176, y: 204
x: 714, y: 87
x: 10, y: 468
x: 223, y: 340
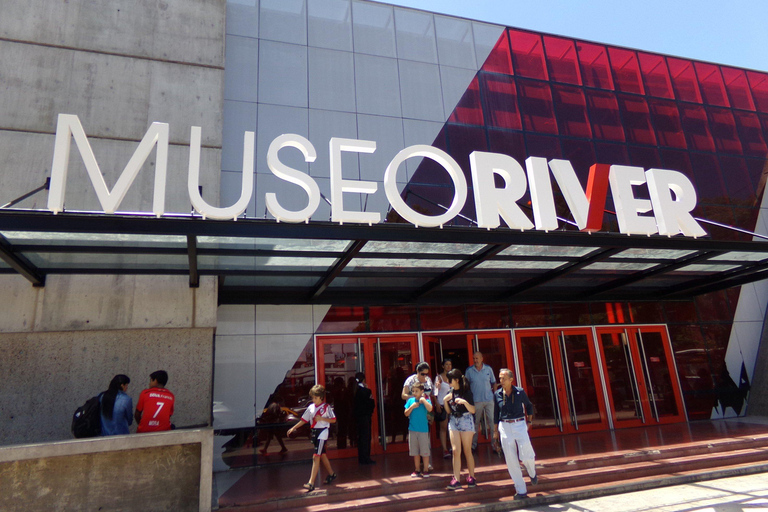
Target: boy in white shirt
x: 319, y: 415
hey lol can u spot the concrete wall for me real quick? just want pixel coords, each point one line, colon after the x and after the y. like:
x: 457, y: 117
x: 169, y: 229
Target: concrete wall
x: 118, y: 66
x: 63, y: 343
x: 163, y: 471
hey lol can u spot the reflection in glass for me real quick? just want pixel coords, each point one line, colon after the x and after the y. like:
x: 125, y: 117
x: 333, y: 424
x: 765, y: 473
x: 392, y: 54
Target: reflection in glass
x: 540, y: 381
x: 657, y: 376
x: 621, y: 377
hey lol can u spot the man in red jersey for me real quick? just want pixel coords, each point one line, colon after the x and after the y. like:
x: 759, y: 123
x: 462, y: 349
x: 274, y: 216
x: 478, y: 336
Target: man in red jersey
x: 155, y: 407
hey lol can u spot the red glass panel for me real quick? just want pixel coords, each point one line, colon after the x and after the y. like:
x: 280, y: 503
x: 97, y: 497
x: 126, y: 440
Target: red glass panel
x: 543, y: 146
x: 677, y: 161
x: 486, y: 316
x: 562, y: 60
x: 750, y: 133
x: 758, y: 82
x: 604, y: 113
x: 469, y: 110
x: 721, y: 214
x: 711, y: 84
x: 536, y: 107
x: 595, y: 71
x: 499, y: 60
x: 530, y: 315
x: 738, y: 88
x: 758, y: 172
x: 344, y: 319
x: 723, y: 129
x: 393, y: 318
x: 645, y: 157
x: 613, y: 154
x: 637, y: 120
x: 581, y: 154
x: 666, y: 119
x: 528, y: 54
x: 648, y: 312
x: 435, y: 318
x: 571, y: 109
x: 709, y: 181
x: 500, y: 101
x: 696, y: 127
x: 570, y: 314
x: 737, y: 181
x: 746, y: 217
x: 656, y: 74
x: 684, y: 79
x: 463, y: 140
x: 626, y: 70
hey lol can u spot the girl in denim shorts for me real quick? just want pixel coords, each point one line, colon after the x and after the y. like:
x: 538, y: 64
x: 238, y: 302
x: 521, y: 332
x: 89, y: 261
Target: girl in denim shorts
x: 460, y: 406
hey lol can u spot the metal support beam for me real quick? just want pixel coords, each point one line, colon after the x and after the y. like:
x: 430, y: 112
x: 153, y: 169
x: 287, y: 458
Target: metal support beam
x: 194, y: 275
x: 20, y: 264
x: 459, y: 270
x: 749, y: 274
x: 592, y: 257
x: 336, y: 269
x: 644, y: 274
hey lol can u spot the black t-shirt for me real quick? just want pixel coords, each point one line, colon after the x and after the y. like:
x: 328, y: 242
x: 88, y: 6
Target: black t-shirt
x: 457, y: 409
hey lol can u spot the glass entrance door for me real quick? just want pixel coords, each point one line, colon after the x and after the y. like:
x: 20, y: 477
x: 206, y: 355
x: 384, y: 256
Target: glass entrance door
x: 386, y: 361
x: 559, y: 371
x: 640, y: 376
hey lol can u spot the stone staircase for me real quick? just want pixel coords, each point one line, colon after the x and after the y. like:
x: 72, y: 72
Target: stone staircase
x: 560, y: 480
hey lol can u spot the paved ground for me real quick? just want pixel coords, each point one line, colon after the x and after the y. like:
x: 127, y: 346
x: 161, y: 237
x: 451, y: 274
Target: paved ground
x: 737, y: 494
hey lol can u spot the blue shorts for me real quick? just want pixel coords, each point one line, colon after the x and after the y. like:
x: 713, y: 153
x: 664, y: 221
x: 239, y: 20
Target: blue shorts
x: 463, y: 423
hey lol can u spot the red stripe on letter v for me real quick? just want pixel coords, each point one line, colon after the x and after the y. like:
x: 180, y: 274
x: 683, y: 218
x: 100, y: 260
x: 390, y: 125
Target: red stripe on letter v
x: 597, y: 191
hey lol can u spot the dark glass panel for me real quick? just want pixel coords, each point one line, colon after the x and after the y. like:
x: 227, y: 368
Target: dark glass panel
x: 717, y: 336
x: 637, y: 120
x: 696, y: 127
x: 581, y: 154
x: 487, y: 316
x: 666, y: 119
x: 528, y: 54
x: 570, y: 314
x: 613, y: 154
x: 714, y: 307
x: 746, y: 217
x: 425, y: 199
x: 543, y: 146
x: 393, y: 318
x: 723, y: 215
x: 562, y: 60
x: 723, y: 129
x: 344, y: 319
x: 750, y: 133
x: 659, y: 384
x: 758, y: 82
x: 680, y: 312
x: 604, y: 113
x: 648, y: 312
x: 647, y: 158
x: 758, y: 172
x: 463, y: 140
x: 508, y: 143
x: 737, y: 181
x: 436, y: 318
x: 536, y: 107
x: 711, y: 84
x: 530, y: 315
x: 500, y: 101
x: 571, y: 109
x: 684, y: 79
x: 469, y: 110
x: 595, y: 71
x: 709, y: 181
x: 738, y: 88
x: 396, y: 361
x: 626, y: 70
x: 499, y: 60
x: 656, y: 75
x: 539, y: 380
x: 620, y: 376
x: 584, y: 385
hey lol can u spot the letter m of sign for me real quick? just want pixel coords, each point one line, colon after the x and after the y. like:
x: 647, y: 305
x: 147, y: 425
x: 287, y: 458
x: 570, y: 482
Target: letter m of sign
x: 69, y: 127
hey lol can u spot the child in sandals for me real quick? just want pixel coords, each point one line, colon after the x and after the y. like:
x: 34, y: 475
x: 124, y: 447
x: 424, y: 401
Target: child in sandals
x: 319, y: 415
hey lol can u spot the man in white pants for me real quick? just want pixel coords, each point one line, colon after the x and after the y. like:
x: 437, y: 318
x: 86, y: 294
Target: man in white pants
x: 512, y: 412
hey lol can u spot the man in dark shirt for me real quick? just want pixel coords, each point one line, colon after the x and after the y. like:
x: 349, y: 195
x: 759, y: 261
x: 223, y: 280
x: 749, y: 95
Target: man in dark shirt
x: 362, y: 410
x: 512, y: 413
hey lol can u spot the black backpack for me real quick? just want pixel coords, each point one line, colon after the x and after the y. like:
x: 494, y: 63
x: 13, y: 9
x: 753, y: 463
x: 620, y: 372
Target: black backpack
x: 86, y: 422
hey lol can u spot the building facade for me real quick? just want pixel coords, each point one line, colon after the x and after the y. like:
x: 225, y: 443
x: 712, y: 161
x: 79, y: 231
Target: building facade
x: 619, y: 327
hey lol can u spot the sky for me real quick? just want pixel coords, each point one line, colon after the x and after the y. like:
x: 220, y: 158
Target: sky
x: 733, y: 33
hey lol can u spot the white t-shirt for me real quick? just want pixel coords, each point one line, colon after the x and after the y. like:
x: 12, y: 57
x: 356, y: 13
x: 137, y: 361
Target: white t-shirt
x: 324, y: 411
x: 443, y: 388
x: 429, y: 389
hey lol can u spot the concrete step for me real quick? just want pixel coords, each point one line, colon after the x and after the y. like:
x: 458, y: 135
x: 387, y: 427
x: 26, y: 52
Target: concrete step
x: 556, y: 477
